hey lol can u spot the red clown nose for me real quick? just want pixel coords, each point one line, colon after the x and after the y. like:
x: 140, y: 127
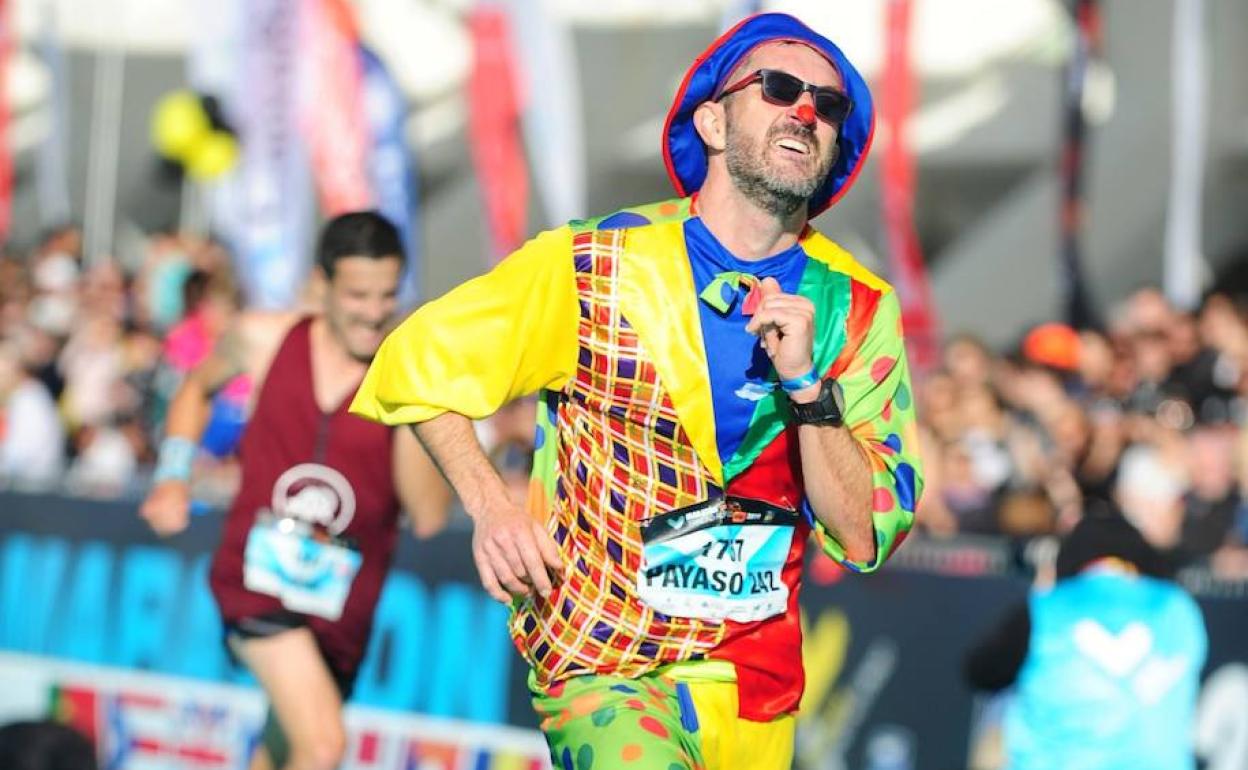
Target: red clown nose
x: 806, y: 114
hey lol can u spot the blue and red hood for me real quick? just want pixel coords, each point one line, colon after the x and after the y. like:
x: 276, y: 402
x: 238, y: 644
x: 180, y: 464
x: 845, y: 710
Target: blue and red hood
x: 683, y: 151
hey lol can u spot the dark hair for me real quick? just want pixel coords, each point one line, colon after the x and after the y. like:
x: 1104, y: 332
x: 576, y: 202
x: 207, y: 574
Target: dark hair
x: 1105, y: 532
x: 194, y: 290
x: 44, y: 746
x: 357, y: 234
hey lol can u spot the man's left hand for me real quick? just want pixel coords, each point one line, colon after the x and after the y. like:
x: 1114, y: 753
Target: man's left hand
x: 786, y: 325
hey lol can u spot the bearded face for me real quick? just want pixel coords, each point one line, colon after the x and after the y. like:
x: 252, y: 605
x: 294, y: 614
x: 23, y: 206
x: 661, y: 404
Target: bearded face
x: 780, y: 170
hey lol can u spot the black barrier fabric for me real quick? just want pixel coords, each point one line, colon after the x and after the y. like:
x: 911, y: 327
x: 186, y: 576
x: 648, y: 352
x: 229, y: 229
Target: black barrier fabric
x: 87, y: 581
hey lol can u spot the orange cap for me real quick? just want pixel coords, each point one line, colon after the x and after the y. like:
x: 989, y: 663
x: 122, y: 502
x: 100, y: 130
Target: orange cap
x: 1052, y: 344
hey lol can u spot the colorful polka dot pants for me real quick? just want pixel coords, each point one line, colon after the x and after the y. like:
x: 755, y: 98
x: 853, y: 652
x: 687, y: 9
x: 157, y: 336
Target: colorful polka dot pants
x: 657, y: 723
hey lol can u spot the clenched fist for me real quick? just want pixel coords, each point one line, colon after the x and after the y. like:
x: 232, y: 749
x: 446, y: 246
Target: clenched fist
x: 786, y: 325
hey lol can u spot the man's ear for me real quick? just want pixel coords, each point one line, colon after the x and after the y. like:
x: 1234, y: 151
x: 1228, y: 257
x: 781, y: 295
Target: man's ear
x: 710, y: 120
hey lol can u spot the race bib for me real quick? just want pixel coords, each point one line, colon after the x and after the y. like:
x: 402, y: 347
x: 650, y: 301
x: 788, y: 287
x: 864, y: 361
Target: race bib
x: 718, y: 560
x: 310, y: 576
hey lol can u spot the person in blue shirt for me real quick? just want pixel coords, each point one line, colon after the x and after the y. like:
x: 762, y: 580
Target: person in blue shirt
x: 1105, y: 663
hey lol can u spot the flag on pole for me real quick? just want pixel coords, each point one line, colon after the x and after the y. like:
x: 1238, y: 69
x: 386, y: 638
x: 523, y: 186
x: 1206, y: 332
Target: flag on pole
x: 1189, y: 96
x: 1076, y: 301
x: 552, y: 124
x: 275, y: 209
x: 331, y: 106
x: 494, y: 129
x: 7, y: 38
x: 905, y: 255
x: 52, y: 161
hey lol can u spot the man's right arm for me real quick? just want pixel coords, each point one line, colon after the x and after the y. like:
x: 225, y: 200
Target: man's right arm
x: 513, y: 551
x: 498, y: 337
x: 167, y: 506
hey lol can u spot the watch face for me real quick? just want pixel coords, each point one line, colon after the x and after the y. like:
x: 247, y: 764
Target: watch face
x: 838, y: 396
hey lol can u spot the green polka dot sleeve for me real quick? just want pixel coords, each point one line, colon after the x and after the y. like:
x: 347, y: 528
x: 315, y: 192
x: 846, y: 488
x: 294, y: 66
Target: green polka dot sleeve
x: 880, y: 413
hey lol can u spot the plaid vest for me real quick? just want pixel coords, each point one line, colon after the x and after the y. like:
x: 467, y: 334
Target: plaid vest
x: 619, y: 455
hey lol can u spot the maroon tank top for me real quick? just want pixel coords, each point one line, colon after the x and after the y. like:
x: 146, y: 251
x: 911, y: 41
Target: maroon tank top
x: 290, y: 445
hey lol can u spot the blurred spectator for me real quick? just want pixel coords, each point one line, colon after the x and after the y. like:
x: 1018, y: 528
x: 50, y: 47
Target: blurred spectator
x: 933, y: 515
x: 103, y: 292
x: 1095, y: 368
x: 32, y: 441
x: 1230, y: 562
x: 106, y: 461
x: 1150, y: 491
x: 1026, y: 513
x: 44, y: 746
x: 40, y: 351
x: 938, y: 395
x: 15, y: 295
x: 1106, y: 661
x: 1149, y: 416
x: 210, y: 302
x: 968, y: 361
x: 972, y: 504
x: 1096, y: 472
x: 1054, y: 345
x: 1219, y: 369
x: 93, y: 367
x: 1213, y: 498
x: 1145, y: 309
x: 54, y: 304
x: 159, y: 283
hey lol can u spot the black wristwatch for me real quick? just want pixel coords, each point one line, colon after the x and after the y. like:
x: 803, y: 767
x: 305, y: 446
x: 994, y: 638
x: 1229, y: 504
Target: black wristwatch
x: 827, y: 409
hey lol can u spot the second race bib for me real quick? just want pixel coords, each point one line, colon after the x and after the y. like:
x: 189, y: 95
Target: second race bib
x: 308, y: 575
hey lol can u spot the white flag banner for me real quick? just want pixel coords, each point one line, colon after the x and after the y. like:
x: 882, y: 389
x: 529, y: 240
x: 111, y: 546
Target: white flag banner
x: 1184, y: 265
x: 274, y: 178
x: 552, y: 123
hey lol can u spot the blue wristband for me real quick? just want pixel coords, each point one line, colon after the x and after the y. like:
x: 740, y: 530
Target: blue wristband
x: 800, y: 383
x: 177, y: 455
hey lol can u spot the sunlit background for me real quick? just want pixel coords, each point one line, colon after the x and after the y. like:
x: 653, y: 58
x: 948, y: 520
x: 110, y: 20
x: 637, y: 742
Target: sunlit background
x: 1063, y: 218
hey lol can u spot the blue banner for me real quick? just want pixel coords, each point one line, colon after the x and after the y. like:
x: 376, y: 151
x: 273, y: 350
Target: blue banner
x: 87, y: 582
x: 390, y: 165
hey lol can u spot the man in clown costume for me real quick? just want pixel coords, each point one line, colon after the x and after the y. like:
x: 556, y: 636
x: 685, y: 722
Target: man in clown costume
x: 718, y: 381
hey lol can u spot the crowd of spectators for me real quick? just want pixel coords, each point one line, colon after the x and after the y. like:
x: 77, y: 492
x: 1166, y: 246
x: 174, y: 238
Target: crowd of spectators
x: 1148, y: 414
x: 90, y: 353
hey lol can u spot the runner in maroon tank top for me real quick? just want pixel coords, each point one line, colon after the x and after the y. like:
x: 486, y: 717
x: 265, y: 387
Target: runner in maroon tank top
x: 310, y: 535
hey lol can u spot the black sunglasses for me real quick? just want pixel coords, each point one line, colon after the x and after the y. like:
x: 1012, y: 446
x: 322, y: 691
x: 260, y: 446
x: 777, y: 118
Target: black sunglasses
x: 782, y: 88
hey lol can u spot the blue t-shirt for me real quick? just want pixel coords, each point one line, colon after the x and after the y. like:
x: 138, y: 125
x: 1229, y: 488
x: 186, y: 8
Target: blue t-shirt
x: 738, y: 367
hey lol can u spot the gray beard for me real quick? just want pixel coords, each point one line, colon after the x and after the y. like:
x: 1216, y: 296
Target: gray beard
x: 778, y: 195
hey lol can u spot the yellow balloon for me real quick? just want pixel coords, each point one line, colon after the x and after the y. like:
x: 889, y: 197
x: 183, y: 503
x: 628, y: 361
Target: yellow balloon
x: 212, y: 156
x: 178, y: 124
